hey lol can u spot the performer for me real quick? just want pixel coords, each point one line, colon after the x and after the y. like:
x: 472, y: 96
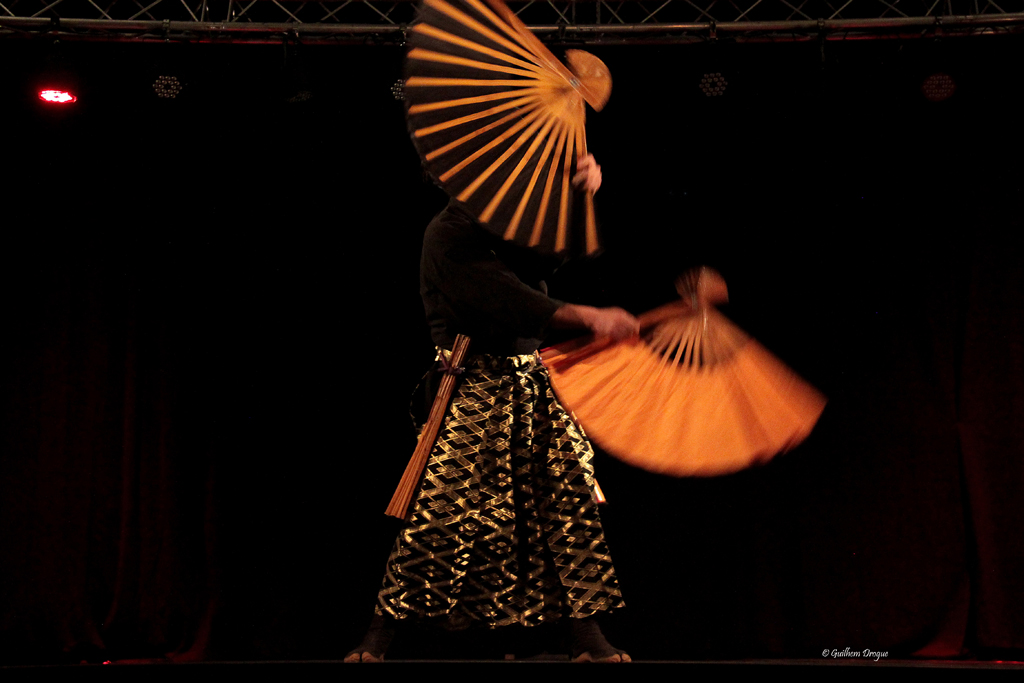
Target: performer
x: 504, y: 528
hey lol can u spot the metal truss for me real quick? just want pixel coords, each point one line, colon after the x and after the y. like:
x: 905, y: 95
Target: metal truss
x: 565, y: 21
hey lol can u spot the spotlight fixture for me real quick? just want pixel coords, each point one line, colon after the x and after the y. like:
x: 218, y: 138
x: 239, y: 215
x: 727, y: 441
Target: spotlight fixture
x: 938, y: 87
x: 398, y: 90
x: 56, y: 83
x: 296, y: 84
x: 301, y: 95
x: 167, y: 87
x: 57, y: 96
x: 713, y: 84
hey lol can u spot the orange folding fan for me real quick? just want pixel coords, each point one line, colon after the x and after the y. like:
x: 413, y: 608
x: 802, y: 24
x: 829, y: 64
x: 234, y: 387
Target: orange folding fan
x: 498, y: 120
x: 695, y: 396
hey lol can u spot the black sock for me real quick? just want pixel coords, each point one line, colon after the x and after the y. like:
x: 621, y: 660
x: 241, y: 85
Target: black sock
x: 587, y: 638
x: 378, y: 636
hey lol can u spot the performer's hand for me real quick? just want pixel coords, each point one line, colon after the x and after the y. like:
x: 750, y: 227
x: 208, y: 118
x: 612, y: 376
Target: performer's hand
x: 588, y: 174
x: 614, y: 323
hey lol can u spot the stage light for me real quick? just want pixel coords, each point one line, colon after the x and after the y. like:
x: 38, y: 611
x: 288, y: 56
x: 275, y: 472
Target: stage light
x: 301, y: 95
x: 296, y: 84
x: 938, y: 87
x: 398, y: 90
x: 713, y: 84
x: 167, y: 87
x: 54, y: 96
x: 55, y: 84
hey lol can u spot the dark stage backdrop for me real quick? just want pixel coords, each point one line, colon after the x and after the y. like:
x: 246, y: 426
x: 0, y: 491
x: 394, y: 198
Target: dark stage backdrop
x: 211, y: 329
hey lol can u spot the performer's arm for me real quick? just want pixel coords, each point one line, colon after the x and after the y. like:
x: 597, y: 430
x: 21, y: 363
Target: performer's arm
x: 459, y: 263
x: 602, y: 322
x: 614, y: 323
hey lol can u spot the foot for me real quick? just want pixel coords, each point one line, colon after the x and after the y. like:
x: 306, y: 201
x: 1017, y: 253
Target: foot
x: 375, y: 643
x: 358, y: 655
x: 616, y: 657
x: 590, y: 645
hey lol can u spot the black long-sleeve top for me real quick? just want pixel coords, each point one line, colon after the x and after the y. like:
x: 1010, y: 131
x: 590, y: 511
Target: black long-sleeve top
x: 474, y: 283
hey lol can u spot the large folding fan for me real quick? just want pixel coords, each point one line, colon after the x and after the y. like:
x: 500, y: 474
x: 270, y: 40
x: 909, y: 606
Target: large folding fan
x: 694, y: 396
x: 498, y: 120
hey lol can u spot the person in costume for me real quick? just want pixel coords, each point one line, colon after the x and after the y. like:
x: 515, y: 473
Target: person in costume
x: 504, y: 528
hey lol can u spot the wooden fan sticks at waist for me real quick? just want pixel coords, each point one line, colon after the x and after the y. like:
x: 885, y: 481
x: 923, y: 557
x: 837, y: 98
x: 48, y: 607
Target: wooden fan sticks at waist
x: 499, y: 121
x: 402, y: 498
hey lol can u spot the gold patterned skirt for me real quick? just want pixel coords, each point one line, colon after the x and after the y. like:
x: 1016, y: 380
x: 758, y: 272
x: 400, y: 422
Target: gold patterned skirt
x: 504, y: 529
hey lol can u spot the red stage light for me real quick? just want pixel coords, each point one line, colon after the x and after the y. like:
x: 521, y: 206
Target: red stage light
x: 57, y: 96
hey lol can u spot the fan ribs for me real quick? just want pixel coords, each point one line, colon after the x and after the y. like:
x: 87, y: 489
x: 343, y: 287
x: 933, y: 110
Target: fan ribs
x: 513, y: 225
x: 530, y: 151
